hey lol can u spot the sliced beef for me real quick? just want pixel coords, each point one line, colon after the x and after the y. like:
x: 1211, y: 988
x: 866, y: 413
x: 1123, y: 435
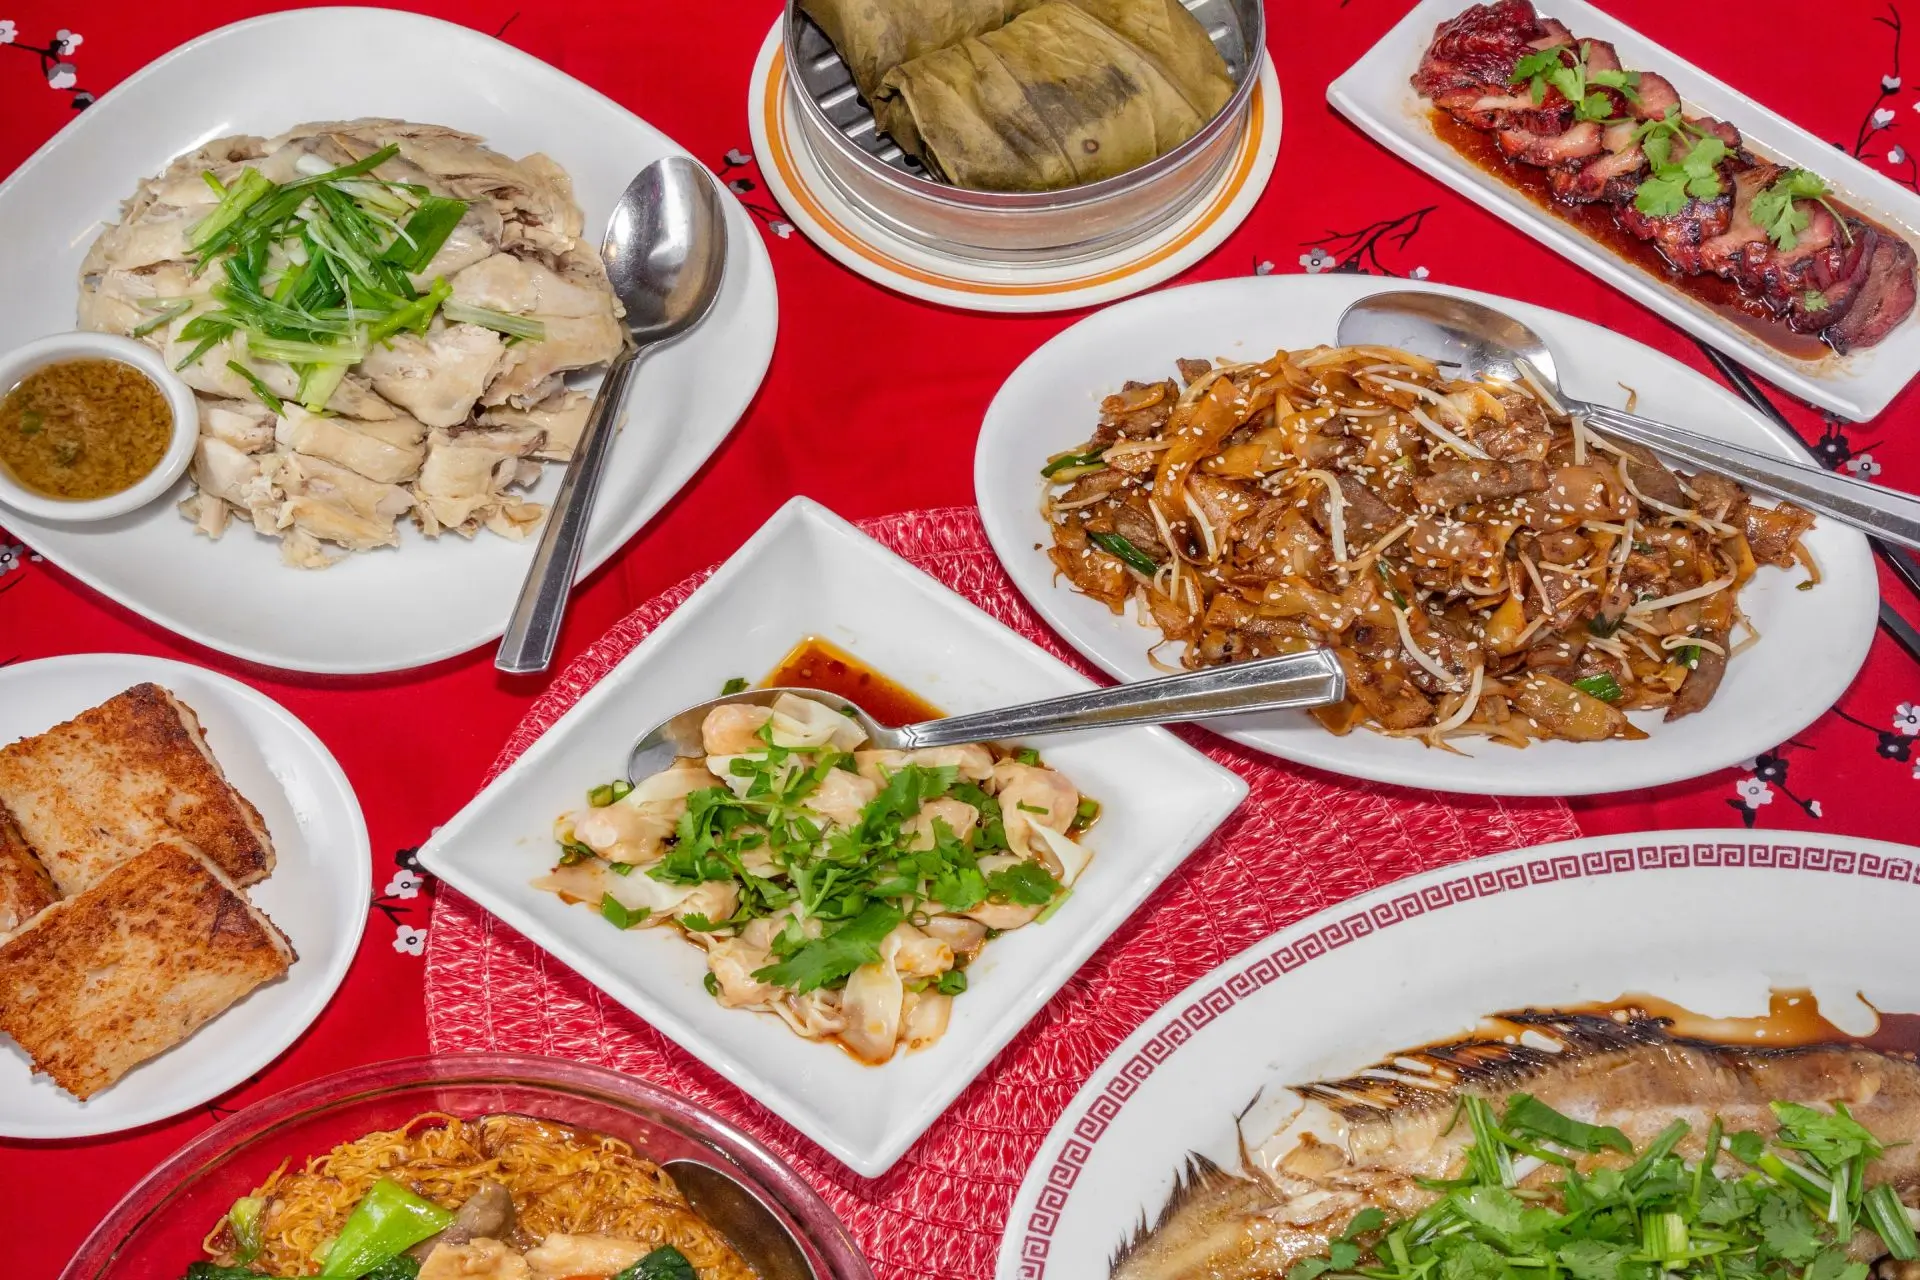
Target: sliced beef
x: 1478, y: 480
x: 1650, y: 475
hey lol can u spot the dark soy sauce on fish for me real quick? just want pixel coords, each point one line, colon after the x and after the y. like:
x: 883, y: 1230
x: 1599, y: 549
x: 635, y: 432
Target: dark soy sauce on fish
x: 1596, y: 222
x: 1792, y: 1020
x: 817, y: 664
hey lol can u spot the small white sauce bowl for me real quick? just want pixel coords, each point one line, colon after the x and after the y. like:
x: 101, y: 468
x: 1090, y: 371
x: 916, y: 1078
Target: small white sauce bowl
x: 17, y: 364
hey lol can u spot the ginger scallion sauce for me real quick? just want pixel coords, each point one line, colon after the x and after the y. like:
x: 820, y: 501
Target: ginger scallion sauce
x: 84, y: 429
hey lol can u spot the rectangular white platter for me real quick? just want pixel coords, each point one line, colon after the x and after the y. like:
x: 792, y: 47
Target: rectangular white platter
x: 1376, y: 94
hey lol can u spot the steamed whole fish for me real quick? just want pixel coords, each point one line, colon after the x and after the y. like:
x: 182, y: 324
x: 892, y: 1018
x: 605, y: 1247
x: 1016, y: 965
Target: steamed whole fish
x: 1395, y: 1123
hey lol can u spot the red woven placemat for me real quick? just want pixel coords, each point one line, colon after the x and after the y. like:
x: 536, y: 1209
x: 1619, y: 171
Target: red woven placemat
x: 1303, y: 841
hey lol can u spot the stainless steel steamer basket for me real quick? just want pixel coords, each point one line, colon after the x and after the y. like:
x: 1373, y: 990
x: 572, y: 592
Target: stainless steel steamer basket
x: 1014, y: 228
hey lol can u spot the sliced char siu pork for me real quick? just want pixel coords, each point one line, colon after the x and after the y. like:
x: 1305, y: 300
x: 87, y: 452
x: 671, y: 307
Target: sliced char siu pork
x: 1468, y: 69
x: 1838, y: 276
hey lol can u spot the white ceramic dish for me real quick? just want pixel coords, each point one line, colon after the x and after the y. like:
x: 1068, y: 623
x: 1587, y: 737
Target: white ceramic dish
x: 1375, y: 94
x: 1813, y: 642
x: 317, y: 894
x: 863, y: 245
x: 22, y: 362
x: 807, y: 572
x: 425, y: 600
x: 1708, y: 919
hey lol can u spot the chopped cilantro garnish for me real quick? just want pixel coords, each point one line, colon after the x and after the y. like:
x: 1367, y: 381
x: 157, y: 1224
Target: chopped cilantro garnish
x: 835, y: 888
x: 830, y: 959
x: 1694, y: 173
x: 1565, y: 69
x: 737, y: 684
x: 1775, y: 212
x: 1027, y: 883
x: 1780, y: 1213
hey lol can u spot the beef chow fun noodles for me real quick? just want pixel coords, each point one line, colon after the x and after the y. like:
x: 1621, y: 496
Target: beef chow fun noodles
x: 1481, y: 563
x: 507, y: 1197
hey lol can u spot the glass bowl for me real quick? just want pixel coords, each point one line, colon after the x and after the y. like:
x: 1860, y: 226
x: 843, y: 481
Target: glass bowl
x: 155, y: 1232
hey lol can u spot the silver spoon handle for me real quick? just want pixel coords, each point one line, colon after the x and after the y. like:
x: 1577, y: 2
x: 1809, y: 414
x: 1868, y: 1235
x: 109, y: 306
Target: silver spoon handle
x: 1309, y: 679
x: 1873, y: 508
x: 531, y: 632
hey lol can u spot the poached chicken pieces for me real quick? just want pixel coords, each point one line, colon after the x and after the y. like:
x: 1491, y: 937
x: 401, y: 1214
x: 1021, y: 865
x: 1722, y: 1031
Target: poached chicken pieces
x: 1480, y: 563
x: 1621, y: 137
x: 376, y: 318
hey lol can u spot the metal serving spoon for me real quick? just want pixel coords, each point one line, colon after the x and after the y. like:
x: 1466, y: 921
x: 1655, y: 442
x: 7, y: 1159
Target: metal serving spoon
x: 1483, y: 343
x: 1308, y: 679
x: 665, y: 250
x: 748, y: 1223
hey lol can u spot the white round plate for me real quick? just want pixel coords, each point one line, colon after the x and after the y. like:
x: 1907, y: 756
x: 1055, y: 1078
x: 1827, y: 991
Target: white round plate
x: 1710, y: 920
x: 317, y: 894
x: 1812, y: 642
x: 869, y: 249
x: 427, y: 599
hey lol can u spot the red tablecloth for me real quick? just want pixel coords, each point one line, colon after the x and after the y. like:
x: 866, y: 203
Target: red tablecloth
x: 871, y: 406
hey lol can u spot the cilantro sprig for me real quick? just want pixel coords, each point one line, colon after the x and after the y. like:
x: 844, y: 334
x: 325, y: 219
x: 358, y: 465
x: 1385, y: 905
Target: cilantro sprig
x: 1775, y: 212
x: 1692, y: 173
x: 1565, y: 68
x: 1748, y: 1209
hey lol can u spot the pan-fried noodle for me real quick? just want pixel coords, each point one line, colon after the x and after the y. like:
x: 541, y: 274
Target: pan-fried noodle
x: 1467, y: 550
x: 562, y: 1180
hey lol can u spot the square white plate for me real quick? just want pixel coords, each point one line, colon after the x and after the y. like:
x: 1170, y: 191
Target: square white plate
x: 425, y: 600
x: 1377, y: 95
x: 809, y: 573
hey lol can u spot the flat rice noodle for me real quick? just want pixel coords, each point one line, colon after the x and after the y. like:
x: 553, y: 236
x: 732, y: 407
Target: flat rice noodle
x: 1196, y: 434
x: 1056, y: 98
x: 875, y: 36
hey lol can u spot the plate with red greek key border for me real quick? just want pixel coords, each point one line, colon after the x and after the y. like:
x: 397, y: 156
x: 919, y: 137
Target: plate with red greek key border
x: 1712, y: 921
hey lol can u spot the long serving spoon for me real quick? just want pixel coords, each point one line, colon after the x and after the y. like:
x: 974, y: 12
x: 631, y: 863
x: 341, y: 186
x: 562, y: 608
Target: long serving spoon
x: 1905, y: 567
x: 1482, y: 343
x: 1309, y: 679
x: 665, y: 250
x: 744, y: 1218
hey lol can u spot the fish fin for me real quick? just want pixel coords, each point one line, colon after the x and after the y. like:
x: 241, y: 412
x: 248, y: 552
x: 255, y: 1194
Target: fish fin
x: 1197, y: 1177
x: 1438, y: 1074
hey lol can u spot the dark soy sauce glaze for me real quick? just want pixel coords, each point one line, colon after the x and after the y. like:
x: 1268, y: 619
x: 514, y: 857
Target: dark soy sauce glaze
x: 1793, y: 1020
x: 1597, y: 223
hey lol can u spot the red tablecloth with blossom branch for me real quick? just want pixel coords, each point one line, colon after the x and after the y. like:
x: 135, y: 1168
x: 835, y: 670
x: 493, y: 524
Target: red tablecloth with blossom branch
x: 872, y: 405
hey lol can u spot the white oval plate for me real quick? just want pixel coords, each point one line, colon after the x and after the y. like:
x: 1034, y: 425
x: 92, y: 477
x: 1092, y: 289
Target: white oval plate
x: 425, y: 600
x: 317, y: 894
x: 1708, y: 919
x: 1813, y: 642
x: 868, y: 248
